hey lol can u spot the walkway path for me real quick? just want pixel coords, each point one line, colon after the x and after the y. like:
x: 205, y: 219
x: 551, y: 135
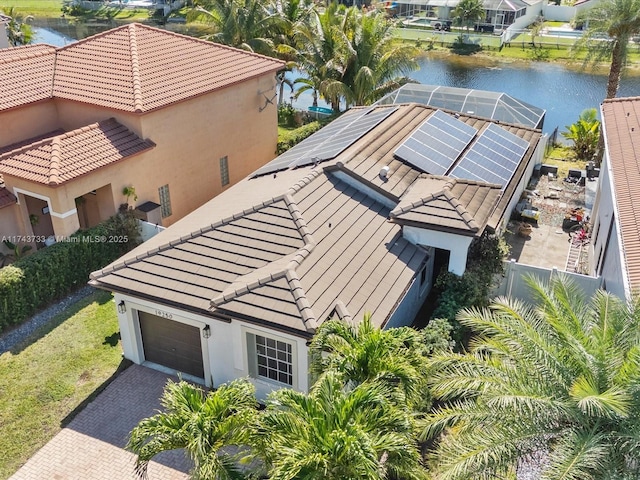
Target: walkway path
x: 91, y: 447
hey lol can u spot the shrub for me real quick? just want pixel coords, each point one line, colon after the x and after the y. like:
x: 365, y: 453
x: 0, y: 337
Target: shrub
x: 49, y: 274
x: 485, y: 260
x: 296, y: 136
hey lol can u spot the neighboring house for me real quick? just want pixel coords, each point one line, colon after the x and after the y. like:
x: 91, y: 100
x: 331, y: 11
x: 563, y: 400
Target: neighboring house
x: 178, y: 118
x: 499, y: 14
x: 616, y: 213
x: 360, y: 217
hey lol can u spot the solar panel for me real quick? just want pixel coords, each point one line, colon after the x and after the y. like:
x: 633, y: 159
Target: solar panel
x: 436, y: 144
x: 493, y: 158
x: 328, y: 142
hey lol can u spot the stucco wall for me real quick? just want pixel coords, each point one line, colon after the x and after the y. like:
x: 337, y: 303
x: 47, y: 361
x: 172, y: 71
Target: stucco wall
x: 458, y: 245
x: 192, y: 136
x: 225, y: 354
x: 607, y: 258
x: 10, y: 222
x: 26, y: 122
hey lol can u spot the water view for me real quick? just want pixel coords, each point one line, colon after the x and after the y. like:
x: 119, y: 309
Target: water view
x: 561, y: 91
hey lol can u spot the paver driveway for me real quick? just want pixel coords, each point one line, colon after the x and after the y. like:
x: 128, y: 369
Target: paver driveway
x: 91, y: 447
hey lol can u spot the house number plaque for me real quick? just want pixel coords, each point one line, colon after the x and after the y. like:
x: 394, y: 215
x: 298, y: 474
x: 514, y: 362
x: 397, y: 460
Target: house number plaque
x: 162, y: 314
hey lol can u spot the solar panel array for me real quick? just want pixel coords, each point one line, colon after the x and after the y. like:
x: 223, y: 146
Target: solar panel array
x: 493, y: 158
x: 436, y: 144
x: 328, y: 142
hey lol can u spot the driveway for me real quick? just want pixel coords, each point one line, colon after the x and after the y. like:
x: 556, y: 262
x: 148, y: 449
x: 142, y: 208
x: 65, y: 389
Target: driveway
x: 91, y: 447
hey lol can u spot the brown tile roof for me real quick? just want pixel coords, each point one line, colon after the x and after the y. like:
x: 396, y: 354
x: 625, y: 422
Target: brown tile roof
x: 60, y: 158
x: 6, y: 197
x: 135, y: 68
x: 621, y: 121
x: 286, y: 262
x: 441, y: 203
x: 26, y: 74
x: 291, y: 249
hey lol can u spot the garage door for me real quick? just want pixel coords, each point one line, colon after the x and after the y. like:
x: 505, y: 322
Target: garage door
x: 171, y: 344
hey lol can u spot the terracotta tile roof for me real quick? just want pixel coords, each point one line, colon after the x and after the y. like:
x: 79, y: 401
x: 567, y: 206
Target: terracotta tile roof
x: 441, y: 203
x: 135, y: 68
x: 621, y: 120
x: 139, y: 68
x: 291, y: 249
x: 6, y: 197
x: 60, y: 158
x: 26, y: 74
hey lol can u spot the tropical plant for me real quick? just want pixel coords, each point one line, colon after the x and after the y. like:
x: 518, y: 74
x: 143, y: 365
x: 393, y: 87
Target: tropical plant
x: 468, y: 12
x: 553, y: 387
x: 611, y: 24
x: 584, y: 134
x: 363, y: 353
x: 19, y: 32
x: 17, y: 251
x: 337, y: 433
x: 244, y: 24
x: 377, y: 62
x: 202, y: 424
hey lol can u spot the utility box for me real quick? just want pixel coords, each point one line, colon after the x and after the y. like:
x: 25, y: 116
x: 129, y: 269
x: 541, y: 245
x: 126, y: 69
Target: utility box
x: 149, y: 212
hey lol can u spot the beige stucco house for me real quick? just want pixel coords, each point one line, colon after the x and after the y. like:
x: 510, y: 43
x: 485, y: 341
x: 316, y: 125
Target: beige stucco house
x: 177, y: 118
x: 360, y: 217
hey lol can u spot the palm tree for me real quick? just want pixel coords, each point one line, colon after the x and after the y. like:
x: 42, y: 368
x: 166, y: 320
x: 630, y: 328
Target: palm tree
x: 615, y: 20
x: 363, y: 353
x: 377, y: 62
x: 244, y: 24
x: 554, y: 387
x: 468, y: 12
x: 19, y: 31
x: 335, y: 433
x: 323, y: 51
x: 584, y: 134
x: 201, y: 424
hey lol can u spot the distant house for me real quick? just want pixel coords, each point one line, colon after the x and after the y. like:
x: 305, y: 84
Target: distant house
x: 177, y: 118
x: 360, y: 217
x: 616, y: 213
x: 499, y: 14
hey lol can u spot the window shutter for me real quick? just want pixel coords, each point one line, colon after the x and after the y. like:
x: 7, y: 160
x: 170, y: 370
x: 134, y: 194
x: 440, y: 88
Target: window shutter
x: 251, y: 355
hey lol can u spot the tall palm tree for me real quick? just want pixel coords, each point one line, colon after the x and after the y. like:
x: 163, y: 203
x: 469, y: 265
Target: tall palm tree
x: 378, y: 62
x: 335, y: 433
x: 201, y: 424
x: 468, y: 12
x: 554, y: 387
x: 244, y: 24
x: 323, y: 51
x: 361, y: 353
x: 615, y: 20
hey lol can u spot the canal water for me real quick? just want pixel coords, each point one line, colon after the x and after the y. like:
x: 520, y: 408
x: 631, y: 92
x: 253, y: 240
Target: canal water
x: 562, y: 91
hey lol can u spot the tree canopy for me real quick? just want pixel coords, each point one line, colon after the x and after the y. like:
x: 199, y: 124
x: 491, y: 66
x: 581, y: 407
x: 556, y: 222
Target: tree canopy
x: 554, y: 387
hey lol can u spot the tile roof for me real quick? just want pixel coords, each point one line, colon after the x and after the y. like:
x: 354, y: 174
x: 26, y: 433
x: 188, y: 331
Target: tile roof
x: 60, y: 158
x: 285, y: 262
x: 26, y: 74
x: 291, y: 249
x: 448, y: 204
x: 135, y: 68
x: 621, y: 121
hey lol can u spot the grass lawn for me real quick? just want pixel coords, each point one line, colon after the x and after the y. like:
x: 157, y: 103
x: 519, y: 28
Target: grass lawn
x: 37, y: 8
x: 45, y: 380
x: 564, y: 158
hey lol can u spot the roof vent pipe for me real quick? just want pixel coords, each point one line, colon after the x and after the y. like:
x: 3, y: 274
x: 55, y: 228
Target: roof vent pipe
x: 384, y: 172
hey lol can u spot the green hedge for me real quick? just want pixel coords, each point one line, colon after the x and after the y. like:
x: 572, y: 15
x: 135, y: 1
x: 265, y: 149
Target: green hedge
x: 47, y: 275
